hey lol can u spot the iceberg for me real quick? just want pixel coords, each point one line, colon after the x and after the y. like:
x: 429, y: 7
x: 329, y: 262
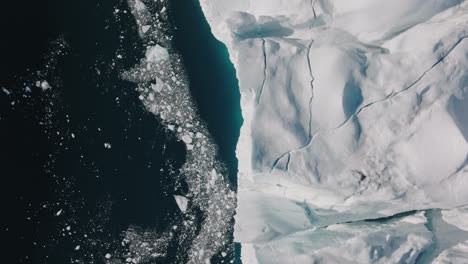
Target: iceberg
x: 353, y: 111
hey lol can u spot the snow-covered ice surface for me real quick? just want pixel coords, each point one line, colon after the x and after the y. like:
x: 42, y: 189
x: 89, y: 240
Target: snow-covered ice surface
x: 352, y: 110
x: 450, y: 228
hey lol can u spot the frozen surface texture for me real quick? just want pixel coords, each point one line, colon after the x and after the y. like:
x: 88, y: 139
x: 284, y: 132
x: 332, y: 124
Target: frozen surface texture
x: 353, y: 110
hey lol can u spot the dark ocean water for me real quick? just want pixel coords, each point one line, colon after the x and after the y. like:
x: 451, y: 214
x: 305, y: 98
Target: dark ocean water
x: 212, y: 77
x: 56, y: 172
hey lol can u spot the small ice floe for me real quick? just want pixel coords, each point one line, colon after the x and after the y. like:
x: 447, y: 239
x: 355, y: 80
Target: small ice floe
x: 107, y: 145
x: 45, y: 85
x: 157, y: 53
x: 119, y: 56
x: 158, y: 87
x: 77, y: 247
x: 108, y: 256
x: 6, y: 91
x: 182, y: 202
x: 59, y: 212
x: 163, y: 9
x: 145, y: 28
x: 214, y: 177
x: 187, y: 139
x: 72, y: 135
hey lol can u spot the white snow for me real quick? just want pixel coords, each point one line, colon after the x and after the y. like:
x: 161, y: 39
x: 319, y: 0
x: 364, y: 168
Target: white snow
x: 356, y: 112
x: 157, y: 53
x: 392, y: 242
x: 454, y: 255
x: 457, y: 217
x: 182, y: 202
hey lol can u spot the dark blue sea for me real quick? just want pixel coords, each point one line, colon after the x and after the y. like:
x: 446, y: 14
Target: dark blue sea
x: 82, y: 160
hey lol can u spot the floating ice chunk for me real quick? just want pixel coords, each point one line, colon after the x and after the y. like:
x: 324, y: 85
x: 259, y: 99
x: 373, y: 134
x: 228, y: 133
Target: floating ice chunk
x: 189, y: 146
x: 77, y: 247
x: 45, y: 85
x: 418, y: 218
x: 157, y: 53
x: 214, y: 177
x: 6, y: 91
x: 187, y: 139
x: 182, y: 202
x: 107, y: 145
x: 158, y: 87
x: 145, y: 28
x: 59, y: 212
x: 108, y: 256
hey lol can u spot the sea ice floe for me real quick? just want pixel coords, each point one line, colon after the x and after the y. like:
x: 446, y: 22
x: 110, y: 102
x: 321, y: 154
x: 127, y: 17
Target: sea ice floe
x: 157, y: 53
x: 182, y: 202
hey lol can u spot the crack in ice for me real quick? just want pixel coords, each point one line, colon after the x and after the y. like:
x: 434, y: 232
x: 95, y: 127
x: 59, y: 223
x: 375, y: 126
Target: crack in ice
x: 393, y: 94
x: 264, y: 71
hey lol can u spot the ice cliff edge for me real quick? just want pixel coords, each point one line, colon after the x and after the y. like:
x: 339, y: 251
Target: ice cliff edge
x: 353, y: 110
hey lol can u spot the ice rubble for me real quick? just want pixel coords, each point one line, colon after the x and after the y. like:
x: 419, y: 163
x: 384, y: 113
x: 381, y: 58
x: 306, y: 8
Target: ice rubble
x: 352, y: 110
x: 208, y: 204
